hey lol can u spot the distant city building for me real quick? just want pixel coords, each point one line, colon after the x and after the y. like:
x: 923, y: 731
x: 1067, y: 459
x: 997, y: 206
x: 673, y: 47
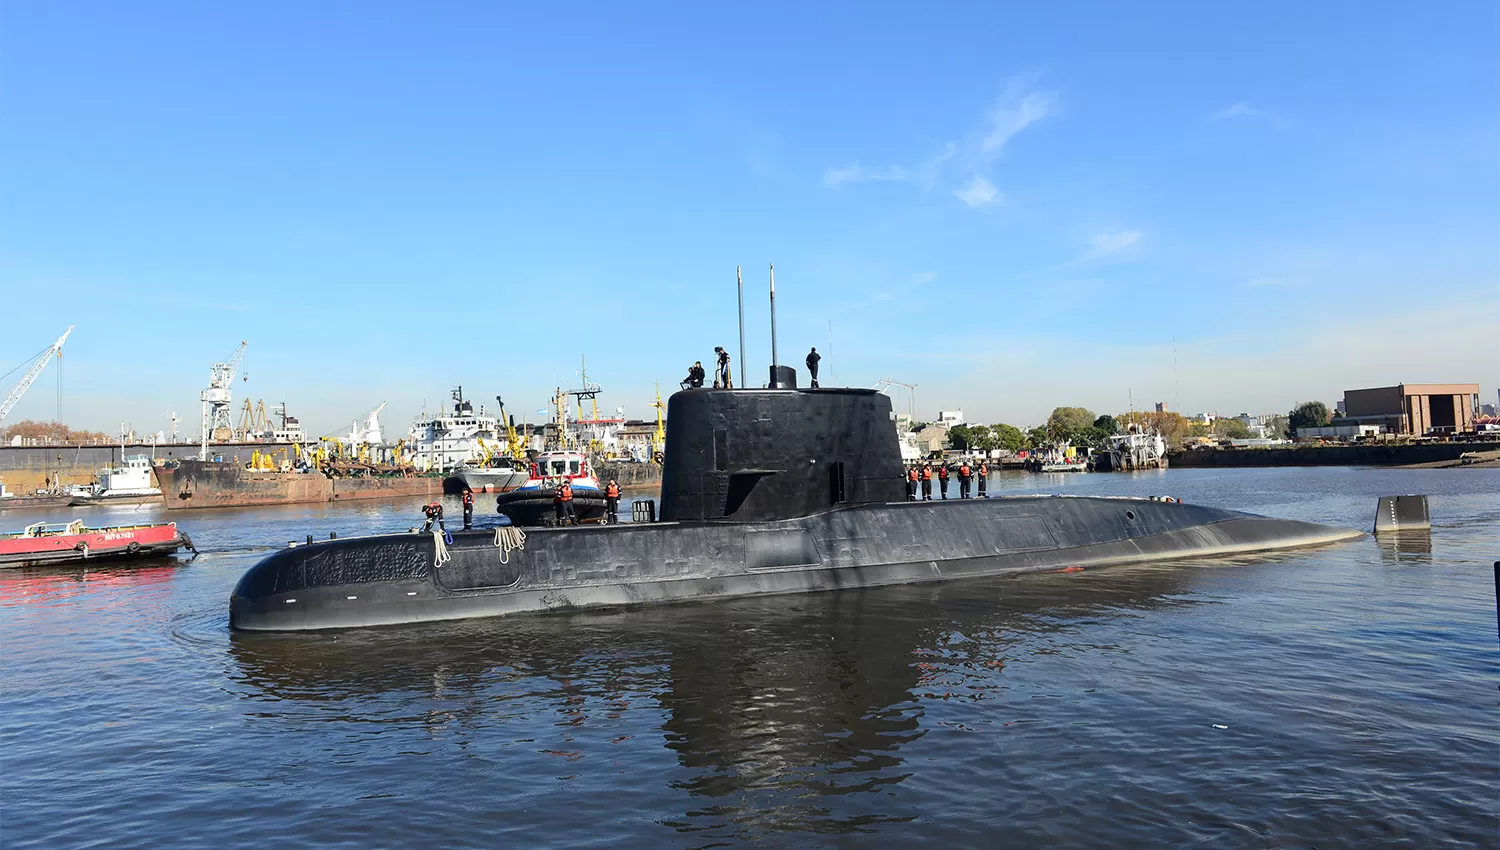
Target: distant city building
x: 1205, y: 418
x: 950, y: 418
x: 1338, y: 409
x: 930, y: 438
x: 1161, y: 407
x: 1487, y: 410
x: 1415, y: 409
x: 1255, y: 425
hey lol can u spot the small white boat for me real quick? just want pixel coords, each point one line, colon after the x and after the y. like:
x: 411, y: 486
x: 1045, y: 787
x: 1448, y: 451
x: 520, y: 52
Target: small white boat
x: 127, y: 484
x: 1057, y: 457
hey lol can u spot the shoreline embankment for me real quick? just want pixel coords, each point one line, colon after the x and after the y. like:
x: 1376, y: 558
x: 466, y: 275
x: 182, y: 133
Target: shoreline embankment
x: 1434, y: 455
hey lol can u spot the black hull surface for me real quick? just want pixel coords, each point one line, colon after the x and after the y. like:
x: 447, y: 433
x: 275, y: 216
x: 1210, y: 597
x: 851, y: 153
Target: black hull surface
x: 391, y: 579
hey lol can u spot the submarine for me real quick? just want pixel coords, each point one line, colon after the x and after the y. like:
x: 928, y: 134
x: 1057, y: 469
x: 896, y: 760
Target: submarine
x: 774, y: 490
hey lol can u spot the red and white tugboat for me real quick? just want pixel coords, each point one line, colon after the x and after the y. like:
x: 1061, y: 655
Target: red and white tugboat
x: 45, y: 544
x: 535, y: 502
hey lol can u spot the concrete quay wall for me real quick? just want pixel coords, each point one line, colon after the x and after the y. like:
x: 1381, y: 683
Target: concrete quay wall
x: 26, y: 468
x: 1363, y: 455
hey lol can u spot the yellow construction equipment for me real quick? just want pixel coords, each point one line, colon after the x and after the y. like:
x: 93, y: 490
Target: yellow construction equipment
x: 253, y: 420
x: 514, y: 445
x: 659, y: 437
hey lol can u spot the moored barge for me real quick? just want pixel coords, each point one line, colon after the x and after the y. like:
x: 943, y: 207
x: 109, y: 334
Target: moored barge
x: 47, y: 544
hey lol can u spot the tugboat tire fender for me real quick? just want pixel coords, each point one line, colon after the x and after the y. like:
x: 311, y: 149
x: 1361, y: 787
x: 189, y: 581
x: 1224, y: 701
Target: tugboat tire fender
x: 132, y: 548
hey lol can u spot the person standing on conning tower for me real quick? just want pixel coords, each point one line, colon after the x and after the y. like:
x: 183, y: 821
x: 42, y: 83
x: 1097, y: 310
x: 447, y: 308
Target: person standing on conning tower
x: 812, y: 365
x: 721, y: 369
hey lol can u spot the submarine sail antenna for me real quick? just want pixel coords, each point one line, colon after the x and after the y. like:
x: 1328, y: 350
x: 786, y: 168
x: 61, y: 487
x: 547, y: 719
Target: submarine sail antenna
x: 774, y: 362
x: 739, y: 282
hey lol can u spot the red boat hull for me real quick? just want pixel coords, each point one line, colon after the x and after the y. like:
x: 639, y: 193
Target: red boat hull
x: 91, y: 544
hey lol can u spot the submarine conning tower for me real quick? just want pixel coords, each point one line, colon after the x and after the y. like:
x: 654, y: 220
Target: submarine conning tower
x: 752, y: 455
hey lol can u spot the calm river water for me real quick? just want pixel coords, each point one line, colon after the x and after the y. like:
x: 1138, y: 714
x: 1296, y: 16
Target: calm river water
x: 1343, y: 696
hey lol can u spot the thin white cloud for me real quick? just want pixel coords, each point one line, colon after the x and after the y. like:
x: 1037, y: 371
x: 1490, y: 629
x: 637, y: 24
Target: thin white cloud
x: 1110, y: 243
x: 835, y: 177
x: 1245, y: 110
x: 978, y: 193
x: 1018, y: 107
x: 964, y: 164
x: 1101, y: 247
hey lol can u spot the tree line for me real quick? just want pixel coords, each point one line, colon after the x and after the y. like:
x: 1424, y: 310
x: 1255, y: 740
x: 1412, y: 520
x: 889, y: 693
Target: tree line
x: 50, y: 432
x: 1081, y: 427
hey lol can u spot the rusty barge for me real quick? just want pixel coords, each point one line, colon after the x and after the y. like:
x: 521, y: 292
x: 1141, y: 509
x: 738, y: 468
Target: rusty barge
x: 195, y: 484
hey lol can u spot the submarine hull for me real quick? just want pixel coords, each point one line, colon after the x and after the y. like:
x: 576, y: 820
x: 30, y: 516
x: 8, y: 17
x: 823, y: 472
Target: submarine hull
x: 392, y: 579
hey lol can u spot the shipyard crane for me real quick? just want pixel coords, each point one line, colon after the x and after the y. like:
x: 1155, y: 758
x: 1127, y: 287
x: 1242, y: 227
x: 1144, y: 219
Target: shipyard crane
x: 216, y: 398
x: 515, y: 446
x: 886, y: 383
x: 40, y: 363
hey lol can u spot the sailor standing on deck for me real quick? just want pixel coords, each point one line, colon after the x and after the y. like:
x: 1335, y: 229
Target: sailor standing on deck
x: 984, y: 472
x: 612, y: 502
x: 911, y: 484
x: 721, y: 369
x: 965, y: 473
x: 926, y: 482
x: 812, y: 365
x: 468, y: 509
x: 943, y: 479
x: 565, y: 503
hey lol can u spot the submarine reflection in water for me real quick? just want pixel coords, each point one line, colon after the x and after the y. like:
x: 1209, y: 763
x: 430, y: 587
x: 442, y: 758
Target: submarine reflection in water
x: 780, y: 712
x: 763, y: 491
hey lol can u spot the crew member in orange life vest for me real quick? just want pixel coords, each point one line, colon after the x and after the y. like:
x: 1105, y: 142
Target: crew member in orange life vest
x: 612, y: 502
x: 943, y: 478
x: 434, y: 513
x: 468, y: 509
x: 911, y: 484
x: 565, y: 504
x: 926, y: 482
x: 984, y: 472
x: 965, y: 473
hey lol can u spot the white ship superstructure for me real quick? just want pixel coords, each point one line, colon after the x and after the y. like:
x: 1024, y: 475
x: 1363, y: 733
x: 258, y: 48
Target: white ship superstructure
x: 442, y: 443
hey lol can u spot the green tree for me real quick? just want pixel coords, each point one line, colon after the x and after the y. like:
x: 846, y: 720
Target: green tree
x: 1067, y: 423
x: 960, y: 436
x: 1308, y: 414
x: 1036, y: 437
x: 1231, y: 429
x: 982, y: 438
x: 1276, y: 427
x: 1107, y: 425
x: 1009, y: 437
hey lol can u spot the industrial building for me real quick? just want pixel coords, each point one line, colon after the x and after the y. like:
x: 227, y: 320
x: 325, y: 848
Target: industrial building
x: 1413, y: 409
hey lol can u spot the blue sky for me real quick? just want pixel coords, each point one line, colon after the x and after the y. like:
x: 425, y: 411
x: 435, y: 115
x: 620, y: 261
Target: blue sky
x: 1230, y: 208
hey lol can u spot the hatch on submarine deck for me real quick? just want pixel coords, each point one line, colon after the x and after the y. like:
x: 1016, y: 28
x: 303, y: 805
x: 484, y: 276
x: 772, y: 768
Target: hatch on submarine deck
x: 763, y: 491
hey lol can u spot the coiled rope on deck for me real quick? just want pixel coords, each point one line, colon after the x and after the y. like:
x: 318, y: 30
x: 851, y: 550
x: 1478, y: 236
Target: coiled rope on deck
x: 507, y: 539
x: 440, y: 554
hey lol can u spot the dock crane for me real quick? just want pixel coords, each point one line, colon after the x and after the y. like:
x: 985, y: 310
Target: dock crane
x: 216, y: 398
x: 886, y: 383
x: 515, y: 447
x: 40, y: 363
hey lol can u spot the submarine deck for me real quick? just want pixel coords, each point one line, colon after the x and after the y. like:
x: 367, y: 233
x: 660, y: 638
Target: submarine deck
x: 392, y: 579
